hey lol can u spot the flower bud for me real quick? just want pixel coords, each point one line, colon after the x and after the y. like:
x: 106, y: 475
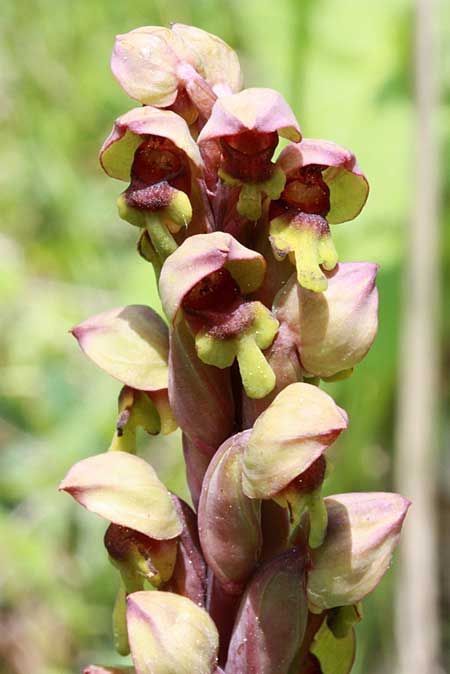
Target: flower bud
x: 333, y: 330
x: 363, y: 530
x: 272, y: 618
x: 294, y: 431
x: 158, y: 66
x: 125, y: 490
x: 229, y: 522
x: 169, y: 633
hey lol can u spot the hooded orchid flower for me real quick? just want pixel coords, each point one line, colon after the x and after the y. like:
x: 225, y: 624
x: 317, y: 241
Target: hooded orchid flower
x: 264, y: 574
x: 324, y: 185
x: 153, y: 150
x: 247, y: 125
x: 215, y: 274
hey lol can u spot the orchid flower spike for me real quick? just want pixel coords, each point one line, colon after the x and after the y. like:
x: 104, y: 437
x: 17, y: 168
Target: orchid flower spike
x: 263, y: 574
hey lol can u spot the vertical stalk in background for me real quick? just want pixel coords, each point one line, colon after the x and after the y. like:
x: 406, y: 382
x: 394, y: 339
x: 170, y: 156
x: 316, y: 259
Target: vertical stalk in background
x: 417, y: 596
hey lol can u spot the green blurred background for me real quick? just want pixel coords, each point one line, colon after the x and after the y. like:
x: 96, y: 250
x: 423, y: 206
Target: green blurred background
x: 346, y: 68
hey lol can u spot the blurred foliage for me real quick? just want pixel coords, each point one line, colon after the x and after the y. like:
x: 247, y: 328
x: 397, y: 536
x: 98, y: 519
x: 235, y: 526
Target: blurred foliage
x: 346, y: 69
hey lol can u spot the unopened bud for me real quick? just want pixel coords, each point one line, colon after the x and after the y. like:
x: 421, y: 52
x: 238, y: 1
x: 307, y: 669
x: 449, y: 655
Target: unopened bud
x: 334, y: 330
x: 169, y: 633
x: 363, y: 530
x: 294, y: 431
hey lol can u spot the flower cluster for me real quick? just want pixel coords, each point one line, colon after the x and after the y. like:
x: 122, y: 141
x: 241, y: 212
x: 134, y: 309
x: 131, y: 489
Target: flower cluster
x: 264, y: 575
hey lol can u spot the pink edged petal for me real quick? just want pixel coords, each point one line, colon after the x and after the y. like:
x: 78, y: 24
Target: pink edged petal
x: 124, y: 489
x: 315, y: 151
x: 333, y: 330
x: 204, y: 254
x: 363, y: 530
x: 129, y: 343
x: 255, y: 109
x: 348, y: 185
x: 129, y: 130
x: 295, y: 430
x: 144, y: 63
x: 170, y: 634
